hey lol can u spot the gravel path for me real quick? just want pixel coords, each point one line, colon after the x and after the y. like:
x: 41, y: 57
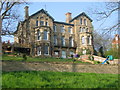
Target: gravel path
x: 60, y: 67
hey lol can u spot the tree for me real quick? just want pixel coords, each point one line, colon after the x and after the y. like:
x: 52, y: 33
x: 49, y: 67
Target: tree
x: 101, y: 41
x: 8, y: 14
x: 110, y: 9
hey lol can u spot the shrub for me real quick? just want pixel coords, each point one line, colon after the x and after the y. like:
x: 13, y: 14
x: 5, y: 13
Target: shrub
x: 91, y: 58
x: 24, y: 57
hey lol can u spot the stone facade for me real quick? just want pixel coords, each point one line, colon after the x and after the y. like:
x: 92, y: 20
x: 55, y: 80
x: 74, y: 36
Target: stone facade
x: 49, y: 38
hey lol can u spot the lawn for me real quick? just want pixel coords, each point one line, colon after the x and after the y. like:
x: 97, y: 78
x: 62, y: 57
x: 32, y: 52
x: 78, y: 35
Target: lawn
x: 45, y: 79
x: 38, y: 59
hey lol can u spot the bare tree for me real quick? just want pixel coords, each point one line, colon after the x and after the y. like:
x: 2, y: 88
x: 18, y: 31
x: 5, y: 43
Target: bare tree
x: 8, y: 9
x: 103, y: 14
x: 7, y: 16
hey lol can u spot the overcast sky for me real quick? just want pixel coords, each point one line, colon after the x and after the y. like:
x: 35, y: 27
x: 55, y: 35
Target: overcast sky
x: 58, y: 10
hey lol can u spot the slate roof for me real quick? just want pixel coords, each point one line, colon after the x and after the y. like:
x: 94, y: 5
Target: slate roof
x: 63, y: 23
x: 43, y: 11
x: 82, y: 14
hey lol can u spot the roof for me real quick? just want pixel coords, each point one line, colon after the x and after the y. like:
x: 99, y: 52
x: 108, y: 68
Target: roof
x: 43, y: 11
x: 82, y: 14
x: 63, y: 23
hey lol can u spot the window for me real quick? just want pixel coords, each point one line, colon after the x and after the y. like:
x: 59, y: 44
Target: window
x: 87, y: 30
x: 83, y: 40
x: 63, y: 54
x: 81, y: 21
x: 45, y: 35
x: 46, y: 52
x: 71, y: 53
x: 83, y: 29
x: 55, y: 40
x: 46, y: 23
x: 88, y: 40
x: 63, y: 41
x: 38, y: 51
x: 41, y: 23
x: 62, y: 29
x: 38, y: 35
x: 71, y: 42
x: 80, y: 29
x: 70, y: 30
x: 36, y: 22
x: 54, y: 27
x: 56, y: 53
x: 85, y: 22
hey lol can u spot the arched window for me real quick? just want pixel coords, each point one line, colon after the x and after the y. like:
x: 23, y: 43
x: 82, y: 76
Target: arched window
x: 83, y: 40
x: 83, y: 29
x: 80, y: 29
x: 87, y: 30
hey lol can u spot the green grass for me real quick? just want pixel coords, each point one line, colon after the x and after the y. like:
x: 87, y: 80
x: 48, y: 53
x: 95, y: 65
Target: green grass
x: 45, y: 79
x: 38, y: 59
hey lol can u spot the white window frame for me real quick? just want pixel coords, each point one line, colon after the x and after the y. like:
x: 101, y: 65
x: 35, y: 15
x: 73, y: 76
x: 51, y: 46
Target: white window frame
x: 62, y: 29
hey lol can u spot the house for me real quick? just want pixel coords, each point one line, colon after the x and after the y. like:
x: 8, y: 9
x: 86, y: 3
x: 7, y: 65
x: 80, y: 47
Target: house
x: 116, y: 41
x: 46, y: 37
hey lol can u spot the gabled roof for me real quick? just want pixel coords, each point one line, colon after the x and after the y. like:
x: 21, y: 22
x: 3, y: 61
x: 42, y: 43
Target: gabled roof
x: 63, y: 23
x: 82, y: 14
x: 42, y: 11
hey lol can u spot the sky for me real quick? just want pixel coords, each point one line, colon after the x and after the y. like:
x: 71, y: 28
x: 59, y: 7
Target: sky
x: 58, y: 10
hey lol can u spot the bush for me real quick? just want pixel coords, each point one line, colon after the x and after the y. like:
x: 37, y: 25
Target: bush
x: 24, y: 57
x: 91, y: 58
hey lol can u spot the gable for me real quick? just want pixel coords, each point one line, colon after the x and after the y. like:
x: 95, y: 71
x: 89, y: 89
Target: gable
x: 82, y: 14
x: 41, y: 11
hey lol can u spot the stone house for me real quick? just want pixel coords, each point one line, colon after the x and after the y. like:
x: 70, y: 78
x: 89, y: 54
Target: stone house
x: 45, y: 37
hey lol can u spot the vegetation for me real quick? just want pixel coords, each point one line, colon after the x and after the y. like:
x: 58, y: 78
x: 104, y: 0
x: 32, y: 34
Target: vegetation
x: 45, y: 79
x: 38, y: 59
x: 114, y: 52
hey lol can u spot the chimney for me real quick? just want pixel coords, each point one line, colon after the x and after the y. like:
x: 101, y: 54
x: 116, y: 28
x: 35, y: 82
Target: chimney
x: 26, y: 12
x: 68, y: 17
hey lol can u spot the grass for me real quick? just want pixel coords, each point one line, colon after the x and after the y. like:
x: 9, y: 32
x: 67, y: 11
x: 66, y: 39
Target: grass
x: 38, y: 59
x: 45, y: 79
